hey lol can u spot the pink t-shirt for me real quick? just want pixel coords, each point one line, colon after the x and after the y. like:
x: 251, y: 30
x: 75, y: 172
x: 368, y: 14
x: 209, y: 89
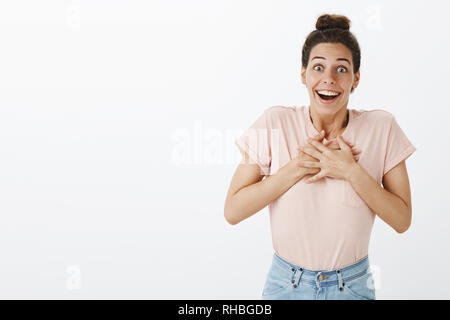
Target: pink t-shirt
x: 323, y: 225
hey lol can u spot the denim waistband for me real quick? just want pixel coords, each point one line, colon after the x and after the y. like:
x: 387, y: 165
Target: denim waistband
x: 325, y: 278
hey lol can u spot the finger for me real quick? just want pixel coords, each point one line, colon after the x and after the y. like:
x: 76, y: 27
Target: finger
x: 333, y: 146
x: 348, y: 143
x: 301, y: 152
x: 305, y: 157
x: 342, y: 143
x: 337, y: 147
x: 322, y: 148
x: 319, y: 136
x: 334, y: 141
x: 317, y: 177
x: 309, y: 164
x: 313, y: 152
x: 308, y: 157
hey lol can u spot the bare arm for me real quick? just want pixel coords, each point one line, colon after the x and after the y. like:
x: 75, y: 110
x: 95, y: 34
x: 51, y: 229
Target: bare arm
x: 249, y: 192
x: 391, y: 203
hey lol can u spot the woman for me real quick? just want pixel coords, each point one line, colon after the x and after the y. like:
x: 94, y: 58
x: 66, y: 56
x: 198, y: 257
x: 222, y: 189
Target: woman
x: 328, y: 171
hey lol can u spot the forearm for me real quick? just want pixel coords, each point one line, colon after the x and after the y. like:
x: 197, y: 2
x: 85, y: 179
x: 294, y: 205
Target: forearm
x: 389, y: 207
x: 251, y: 199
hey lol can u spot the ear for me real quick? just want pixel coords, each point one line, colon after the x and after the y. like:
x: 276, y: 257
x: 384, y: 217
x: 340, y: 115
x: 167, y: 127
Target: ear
x: 356, y: 81
x: 303, y: 74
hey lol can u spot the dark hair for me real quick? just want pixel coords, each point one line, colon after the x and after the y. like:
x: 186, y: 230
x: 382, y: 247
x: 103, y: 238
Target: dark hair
x: 332, y: 28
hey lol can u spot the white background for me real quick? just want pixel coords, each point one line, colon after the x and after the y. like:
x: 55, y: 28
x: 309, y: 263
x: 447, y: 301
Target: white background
x: 117, y: 128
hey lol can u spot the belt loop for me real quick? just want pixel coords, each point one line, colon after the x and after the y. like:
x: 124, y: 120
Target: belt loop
x: 340, y: 281
x: 317, y: 280
x: 297, y: 276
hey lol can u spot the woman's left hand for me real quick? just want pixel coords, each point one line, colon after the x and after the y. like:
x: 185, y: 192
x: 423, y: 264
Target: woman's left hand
x: 332, y: 163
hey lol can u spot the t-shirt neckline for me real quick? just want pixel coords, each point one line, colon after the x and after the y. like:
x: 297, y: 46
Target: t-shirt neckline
x: 312, y: 131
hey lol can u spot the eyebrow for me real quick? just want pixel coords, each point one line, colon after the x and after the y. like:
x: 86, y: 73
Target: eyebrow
x: 338, y: 59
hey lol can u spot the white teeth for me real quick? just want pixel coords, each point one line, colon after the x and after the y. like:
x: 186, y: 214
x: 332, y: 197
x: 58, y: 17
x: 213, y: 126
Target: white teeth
x: 328, y: 93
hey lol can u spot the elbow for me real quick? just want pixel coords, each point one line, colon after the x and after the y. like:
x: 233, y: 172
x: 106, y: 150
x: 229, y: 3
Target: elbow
x: 229, y: 216
x: 405, y: 226
x: 230, y: 220
x: 402, y: 230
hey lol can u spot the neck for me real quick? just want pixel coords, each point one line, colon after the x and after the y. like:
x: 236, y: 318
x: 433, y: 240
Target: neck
x: 333, y: 125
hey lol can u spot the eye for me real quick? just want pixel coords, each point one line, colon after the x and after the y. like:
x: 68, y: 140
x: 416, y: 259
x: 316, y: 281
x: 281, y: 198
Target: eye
x: 343, y: 68
x: 316, y: 67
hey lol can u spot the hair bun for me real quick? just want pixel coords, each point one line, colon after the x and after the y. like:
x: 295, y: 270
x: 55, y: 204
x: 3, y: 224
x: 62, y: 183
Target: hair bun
x: 330, y: 21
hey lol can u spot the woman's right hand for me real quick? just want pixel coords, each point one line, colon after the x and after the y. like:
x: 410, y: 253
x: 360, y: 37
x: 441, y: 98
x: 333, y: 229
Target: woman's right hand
x: 299, y: 172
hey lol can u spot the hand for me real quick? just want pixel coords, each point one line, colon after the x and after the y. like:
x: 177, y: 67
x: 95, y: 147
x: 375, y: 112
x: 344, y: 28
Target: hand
x: 292, y: 168
x: 331, y: 144
x: 331, y: 162
x: 302, y: 156
x: 306, y: 157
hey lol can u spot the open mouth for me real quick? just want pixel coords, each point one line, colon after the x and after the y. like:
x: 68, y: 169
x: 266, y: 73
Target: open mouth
x: 329, y: 96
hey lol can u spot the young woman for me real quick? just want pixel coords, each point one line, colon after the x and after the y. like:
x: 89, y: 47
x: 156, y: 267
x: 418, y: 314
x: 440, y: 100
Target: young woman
x: 325, y: 171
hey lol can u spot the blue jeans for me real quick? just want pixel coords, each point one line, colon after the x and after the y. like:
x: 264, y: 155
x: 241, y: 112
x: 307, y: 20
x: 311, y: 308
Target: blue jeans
x: 287, y: 281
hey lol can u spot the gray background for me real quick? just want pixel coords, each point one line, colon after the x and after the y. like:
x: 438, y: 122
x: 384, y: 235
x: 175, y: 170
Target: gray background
x: 117, y: 128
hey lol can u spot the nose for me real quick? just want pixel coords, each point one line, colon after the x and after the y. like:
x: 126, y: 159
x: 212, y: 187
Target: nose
x: 328, y: 77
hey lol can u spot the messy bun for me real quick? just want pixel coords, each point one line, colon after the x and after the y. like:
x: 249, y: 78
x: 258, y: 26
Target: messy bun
x: 332, y: 21
x: 332, y: 28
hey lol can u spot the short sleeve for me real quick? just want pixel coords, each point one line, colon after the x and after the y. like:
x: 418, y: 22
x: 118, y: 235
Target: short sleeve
x: 255, y: 141
x: 398, y: 147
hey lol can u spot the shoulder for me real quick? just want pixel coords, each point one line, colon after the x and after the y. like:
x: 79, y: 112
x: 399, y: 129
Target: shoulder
x: 374, y: 116
x: 279, y: 112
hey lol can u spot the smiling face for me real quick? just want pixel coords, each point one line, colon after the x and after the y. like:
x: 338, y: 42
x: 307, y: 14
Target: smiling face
x: 329, y: 72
